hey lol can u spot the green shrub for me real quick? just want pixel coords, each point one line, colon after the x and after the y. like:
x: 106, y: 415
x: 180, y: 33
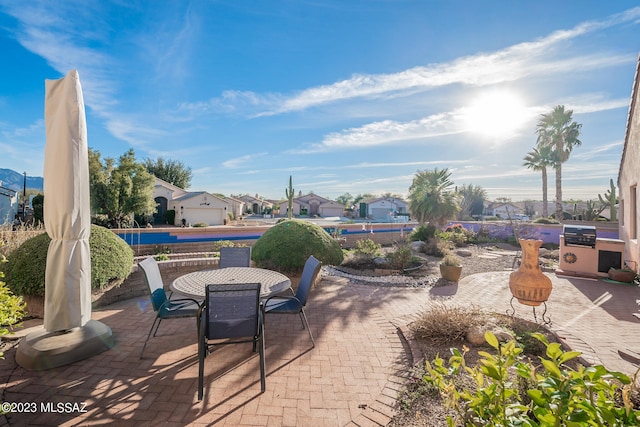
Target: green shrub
x: 111, y: 260
x: 222, y: 244
x: 200, y: 224
x: 423, y: 233
x: 401, y: 257
x: 552, y: 394
x: 367, y: 247
x: 287, y: 245
x: 12, y: 308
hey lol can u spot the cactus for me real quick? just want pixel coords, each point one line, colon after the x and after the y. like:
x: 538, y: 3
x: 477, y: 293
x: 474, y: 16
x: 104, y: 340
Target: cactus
x: 610, y: 199
x: 289, y: 192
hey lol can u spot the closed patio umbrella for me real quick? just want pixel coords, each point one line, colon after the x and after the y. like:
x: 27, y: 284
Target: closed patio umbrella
x: 67, y: 215
x: 68, y: 333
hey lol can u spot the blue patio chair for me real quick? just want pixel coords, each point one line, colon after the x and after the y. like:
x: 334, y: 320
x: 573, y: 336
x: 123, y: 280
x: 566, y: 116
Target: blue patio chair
x: 231, y: 313
x: 282, y: 304
x: 235, y: 257
x: 164, y: 307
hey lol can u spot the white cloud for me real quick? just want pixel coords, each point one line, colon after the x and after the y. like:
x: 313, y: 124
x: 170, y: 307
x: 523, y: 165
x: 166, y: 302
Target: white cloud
x: 242, y: 160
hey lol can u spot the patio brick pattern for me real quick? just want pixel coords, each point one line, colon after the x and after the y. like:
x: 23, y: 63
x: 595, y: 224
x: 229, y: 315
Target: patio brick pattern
x: 351, y: 378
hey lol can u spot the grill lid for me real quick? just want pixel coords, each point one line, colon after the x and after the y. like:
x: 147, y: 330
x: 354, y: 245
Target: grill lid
x: 579, y: 235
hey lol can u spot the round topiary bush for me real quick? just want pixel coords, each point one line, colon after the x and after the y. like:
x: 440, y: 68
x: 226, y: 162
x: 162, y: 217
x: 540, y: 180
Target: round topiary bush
x: 111, y: 259
x: 287, y: 245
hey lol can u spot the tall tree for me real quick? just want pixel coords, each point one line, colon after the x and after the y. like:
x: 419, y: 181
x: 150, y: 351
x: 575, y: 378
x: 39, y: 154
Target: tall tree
x: 539, y: 160
x: 558, y: 131
x: 472, y: 198
x: 346, y: 200
x: 432, y: 198
x: 120, y: 190
x: 171, y: 171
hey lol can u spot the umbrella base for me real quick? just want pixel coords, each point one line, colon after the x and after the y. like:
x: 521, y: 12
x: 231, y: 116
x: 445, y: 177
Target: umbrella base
x: 41, y: 350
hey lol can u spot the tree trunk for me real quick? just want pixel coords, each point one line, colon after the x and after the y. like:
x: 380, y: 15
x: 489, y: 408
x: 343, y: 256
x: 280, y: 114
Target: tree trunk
x: 559, y: 210
x: 545, y: 190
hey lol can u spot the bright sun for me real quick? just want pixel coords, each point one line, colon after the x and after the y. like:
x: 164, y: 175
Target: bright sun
x: 496, y: 114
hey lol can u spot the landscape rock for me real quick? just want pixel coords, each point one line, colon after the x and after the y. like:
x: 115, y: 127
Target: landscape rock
x: 464, y: 253
x: 475, y: 334
x: 417, y: 246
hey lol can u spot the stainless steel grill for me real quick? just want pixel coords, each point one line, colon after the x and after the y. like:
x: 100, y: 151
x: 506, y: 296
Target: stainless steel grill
x: 579, y: 235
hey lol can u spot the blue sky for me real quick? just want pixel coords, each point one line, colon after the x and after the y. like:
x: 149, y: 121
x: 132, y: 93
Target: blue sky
x: 345, y: 96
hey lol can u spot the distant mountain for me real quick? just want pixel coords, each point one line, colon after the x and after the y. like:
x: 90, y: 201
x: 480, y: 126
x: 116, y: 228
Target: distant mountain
x: 15, y: 181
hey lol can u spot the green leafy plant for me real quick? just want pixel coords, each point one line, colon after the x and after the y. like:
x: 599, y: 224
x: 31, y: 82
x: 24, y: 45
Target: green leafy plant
x: 222, y: 244
x: 12, y: 307
x: 111, y: 261
x: 200, y: 224
x: 423, y: 233
x: 551, y: 394
x: 367, y: 247
x: 401, y: 257
x: 287, y: 245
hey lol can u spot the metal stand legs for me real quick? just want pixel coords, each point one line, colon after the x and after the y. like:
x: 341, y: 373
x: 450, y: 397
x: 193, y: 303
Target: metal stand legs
x: 544, y: 318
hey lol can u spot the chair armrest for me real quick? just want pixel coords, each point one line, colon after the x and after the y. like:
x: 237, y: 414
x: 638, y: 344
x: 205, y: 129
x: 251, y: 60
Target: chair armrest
x: 181, y: 303
x: 285, y: 297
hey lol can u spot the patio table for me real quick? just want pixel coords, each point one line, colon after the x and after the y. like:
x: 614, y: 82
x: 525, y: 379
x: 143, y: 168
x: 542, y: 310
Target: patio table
x: 193, y: 284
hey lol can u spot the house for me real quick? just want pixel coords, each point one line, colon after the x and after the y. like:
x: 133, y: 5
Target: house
x: 629, y: 178
x: 189, y: 207
x: 504, y: 210
x: 386, y: 208
x: 309, y: 205
x: 255, y: 204
x: 8, y: 204
x: 236, y: 206
x: 331, y: 209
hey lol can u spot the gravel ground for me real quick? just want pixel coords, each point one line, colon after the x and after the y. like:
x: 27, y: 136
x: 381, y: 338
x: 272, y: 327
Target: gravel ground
x: 474, y: 258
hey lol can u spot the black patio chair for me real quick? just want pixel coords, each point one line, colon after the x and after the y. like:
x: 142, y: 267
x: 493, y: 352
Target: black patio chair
x: 230, y: 313
x: 164, y: 307
x: 235, y: 257
x: 284, y: 304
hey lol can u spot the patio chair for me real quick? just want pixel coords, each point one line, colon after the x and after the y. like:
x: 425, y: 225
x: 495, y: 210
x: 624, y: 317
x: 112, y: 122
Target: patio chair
x: 231, y: 313
x: 235, y: 257
x: 164, y: 307
x: 282, y: 304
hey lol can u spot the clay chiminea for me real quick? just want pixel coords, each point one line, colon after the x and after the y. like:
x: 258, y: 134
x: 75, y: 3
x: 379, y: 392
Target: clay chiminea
x: 528, y: 284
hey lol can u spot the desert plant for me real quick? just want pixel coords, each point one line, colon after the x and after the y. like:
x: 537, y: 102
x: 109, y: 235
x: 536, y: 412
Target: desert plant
x: 554, y: 394
x: 222, y: 244
x: 610, y: 200
x: 13, y: 238
x: 287, y: 245
x: 443, y: 324
x: 423, y: 233
x: 367, y: 247
x: 401, y: 257
x: 111, y: 260
x: 289, y: 192
x: 451, y: 259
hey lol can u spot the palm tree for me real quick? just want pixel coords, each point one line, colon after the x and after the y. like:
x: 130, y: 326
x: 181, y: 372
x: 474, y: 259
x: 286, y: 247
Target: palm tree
x: 560, y: 133
x: 539, y: 160
x: 431, y: 197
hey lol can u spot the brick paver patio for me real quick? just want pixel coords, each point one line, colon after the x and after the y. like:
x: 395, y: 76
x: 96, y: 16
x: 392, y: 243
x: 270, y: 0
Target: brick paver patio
x: 350, y: 378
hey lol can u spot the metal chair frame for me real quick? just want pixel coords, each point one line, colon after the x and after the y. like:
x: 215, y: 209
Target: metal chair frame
x: 164, y: 308
x: 284, y: 304
x: 232, y: 312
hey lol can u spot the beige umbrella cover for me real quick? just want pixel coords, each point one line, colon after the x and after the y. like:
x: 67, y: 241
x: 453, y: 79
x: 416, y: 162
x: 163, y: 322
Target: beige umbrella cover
x: 66, y: 206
